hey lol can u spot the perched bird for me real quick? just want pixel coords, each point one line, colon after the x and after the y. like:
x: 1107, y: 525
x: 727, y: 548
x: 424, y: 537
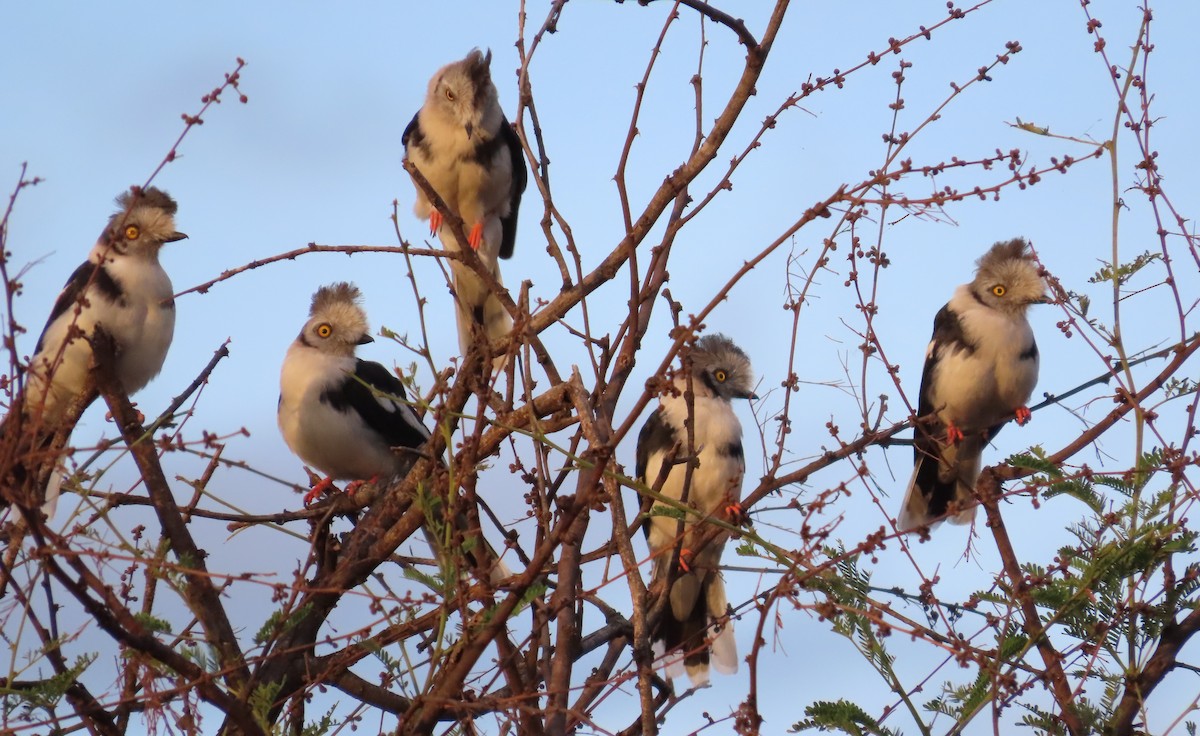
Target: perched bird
x: 466, y: 149
x: 123, y: 289
x: 718, y: 371
x: 980, y: 369
x: 349, y: 418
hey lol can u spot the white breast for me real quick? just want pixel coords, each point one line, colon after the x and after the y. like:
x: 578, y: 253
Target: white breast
x: 144, y: 326
x: 975, y: 390
x: 717, y: 477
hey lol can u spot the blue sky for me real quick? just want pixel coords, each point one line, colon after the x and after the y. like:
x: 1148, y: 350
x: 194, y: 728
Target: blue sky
x: 94, y: 95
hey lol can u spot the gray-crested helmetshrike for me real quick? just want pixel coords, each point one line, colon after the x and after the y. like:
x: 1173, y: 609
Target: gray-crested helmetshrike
x: 980, y: 369
x: 347, y: 417
x: 695, y: 627
x: 121, y: 288
x: 466, y: 149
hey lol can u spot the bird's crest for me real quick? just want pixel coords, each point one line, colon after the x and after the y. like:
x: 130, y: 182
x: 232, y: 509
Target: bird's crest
x: 478, y: 66
x: 1005, y: 250
x: 1008, y: 278
x: 343, y: 292
x: 148, y: 197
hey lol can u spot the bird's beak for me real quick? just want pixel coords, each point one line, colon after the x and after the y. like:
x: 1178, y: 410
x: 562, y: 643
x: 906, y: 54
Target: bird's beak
x: 751, y: 396
x: 470, y: 130
x: 174, y: 236
x: 365, y: 339
x: 1043, y: 300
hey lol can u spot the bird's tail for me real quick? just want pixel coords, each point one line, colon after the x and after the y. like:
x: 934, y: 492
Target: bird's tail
x: 939, y: 482
x: 695, y: 632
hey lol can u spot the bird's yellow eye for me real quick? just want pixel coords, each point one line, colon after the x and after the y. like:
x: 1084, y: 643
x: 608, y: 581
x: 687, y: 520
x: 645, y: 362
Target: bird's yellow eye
x: 324, y: 330
x: 999, y: 290
x: 132, y: 232
x: 720, y: 375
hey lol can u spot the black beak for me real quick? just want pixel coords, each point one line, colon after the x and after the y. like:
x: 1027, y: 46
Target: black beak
x: 174, y: 236
x: 365, y: 339
x: 470, y: 130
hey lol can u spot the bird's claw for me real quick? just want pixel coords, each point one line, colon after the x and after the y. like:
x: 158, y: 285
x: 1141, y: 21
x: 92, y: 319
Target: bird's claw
x: 1023, y: 415
x: 435, y: 221
x: 685, y: 554
x: 355, y: 486
x: 317, y: 491
x: 735, y: 513
x: 954, y: 435
x: 141, y: 418
x: 475, y: 238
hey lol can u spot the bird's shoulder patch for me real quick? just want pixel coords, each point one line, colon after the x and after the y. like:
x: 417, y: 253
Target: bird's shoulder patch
x: 656, y: 436
x: 88, y: 274
x: 949, y: 333
x: 485, y: 151
x: 1031, y: 352
x: 412, y: 133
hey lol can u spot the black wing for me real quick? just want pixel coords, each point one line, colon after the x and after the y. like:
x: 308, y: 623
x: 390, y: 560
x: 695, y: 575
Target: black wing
x: 87, y: 273
x: 520, y: 179
x: 656, y: 436
x: 948, y: 336
x: 366, y: 392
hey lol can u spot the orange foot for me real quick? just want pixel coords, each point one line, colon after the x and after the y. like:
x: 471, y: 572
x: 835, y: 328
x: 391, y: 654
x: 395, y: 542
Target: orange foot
x: 685, y: 554
x: 435, y: 221
x: 736, y: 514
x: 954, y: 435
x: 356, y: 485
x: 318, y: 490
x: 476, y: 236
x: 108, y: 417
x: 1023, y: 415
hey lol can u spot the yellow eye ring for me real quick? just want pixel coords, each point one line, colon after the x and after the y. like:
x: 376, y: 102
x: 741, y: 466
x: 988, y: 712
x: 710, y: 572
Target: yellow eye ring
x: 999, y: 290
x: 720, y: 375
x: 324, y: 330
x: 132, y: 232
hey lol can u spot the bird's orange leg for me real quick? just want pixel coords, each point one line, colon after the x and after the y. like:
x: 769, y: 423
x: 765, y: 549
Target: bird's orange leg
x: 475, y: 238
x: 954, y: 435
x: 1023, y: 415
x: 318, y: 490
x: 355, y: 486
x: 435, y: 221
x: 685, y: 554
x: 735, y: 513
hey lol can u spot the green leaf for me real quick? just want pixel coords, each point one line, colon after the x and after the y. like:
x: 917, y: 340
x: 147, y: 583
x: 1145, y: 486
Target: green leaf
x: 843, y: 716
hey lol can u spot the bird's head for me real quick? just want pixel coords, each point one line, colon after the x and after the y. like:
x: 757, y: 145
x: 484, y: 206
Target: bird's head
x: 145, y: 220
x: 463, y: 93
x: 723, y: 368
x: 336, y: 323
x: 1008, y: 278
